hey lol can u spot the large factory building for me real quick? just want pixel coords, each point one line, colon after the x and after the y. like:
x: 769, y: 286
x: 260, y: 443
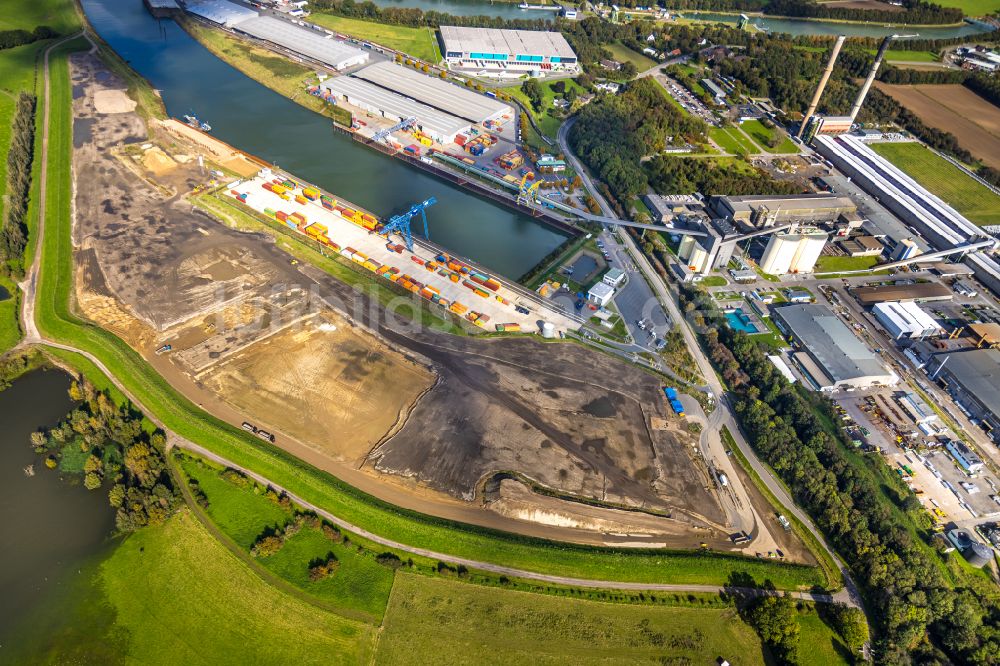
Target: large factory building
x: 314, y: 43
x: 759, y: 212
x: 438, y: 125
x: 512, y: 53
x: 831, y: 356
x: 972, y: 377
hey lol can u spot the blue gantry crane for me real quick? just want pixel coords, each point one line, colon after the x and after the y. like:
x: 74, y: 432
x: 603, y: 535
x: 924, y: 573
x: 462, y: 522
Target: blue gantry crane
x: 401, y: 223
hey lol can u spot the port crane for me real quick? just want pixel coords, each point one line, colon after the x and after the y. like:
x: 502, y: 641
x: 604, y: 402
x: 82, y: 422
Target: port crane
x: 401, y: 223
x: 527, y: 194
x: 383, y: 134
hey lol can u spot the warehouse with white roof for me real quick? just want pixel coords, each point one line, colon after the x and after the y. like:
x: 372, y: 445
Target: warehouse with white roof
x: 311, y: 43
x: 224, y: 13
x: 434, y: 92
x: 506, y: 52
x: 438, y: 125
x: 905, y: 320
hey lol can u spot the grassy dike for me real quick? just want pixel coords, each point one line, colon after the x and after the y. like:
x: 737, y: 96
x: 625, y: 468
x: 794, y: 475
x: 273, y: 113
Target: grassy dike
x: 55, y: 320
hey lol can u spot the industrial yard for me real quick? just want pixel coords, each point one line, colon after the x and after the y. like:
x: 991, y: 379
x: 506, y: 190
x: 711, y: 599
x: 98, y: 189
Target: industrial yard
x: 238, y: 327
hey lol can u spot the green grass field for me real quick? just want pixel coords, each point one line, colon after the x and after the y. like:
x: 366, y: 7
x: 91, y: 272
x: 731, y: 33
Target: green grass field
x: 59, y: 15
x: 841, y: 264
x: 436, y: 621
x: 622, y: 53
x: 418, y: 42
x: 761, y: 135
x: 548, y: 124
x: 941, y: 177
x: 972, y: 7
x: 10, y: 329
x: 732, y: 140
x: 181, y: 597
x: 897, y: 55
x: 360, y: 584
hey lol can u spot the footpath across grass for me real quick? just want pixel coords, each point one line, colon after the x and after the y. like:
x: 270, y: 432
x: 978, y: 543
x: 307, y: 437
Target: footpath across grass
x: 965, y: 194
x: 417, y: 42
x: 732, y: 141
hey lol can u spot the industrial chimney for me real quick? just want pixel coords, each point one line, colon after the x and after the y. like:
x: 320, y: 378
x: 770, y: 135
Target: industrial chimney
x: 822, y: 84
x: 871, y: 75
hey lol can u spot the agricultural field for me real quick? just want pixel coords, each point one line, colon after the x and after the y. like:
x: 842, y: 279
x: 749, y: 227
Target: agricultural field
x: 418, y: 42
x: 972, y: 7
x: 435, y: 621
x: 762, y: 135
x: 59, y: 15
x: 731, y: 140
x: 955, y: 109
x: 968, y: 196
x: 898, y: 55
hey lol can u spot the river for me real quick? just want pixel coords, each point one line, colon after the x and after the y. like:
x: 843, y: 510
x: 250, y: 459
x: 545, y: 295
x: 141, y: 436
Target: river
x: 259, y: 121
x: 50, y: 526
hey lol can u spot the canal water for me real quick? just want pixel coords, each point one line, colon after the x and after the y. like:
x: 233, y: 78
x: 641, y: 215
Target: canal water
x: 50, y: 526
x: 252, y: 118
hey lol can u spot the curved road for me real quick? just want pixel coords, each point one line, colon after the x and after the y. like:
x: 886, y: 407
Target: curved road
x: 723, y: 415
x: 33, y: 336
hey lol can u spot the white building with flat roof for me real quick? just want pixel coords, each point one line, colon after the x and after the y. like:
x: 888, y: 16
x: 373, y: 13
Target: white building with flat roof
x: 304, y: 41
x: 511, y: 53
x: 601, y: 294
x: 905, y: 320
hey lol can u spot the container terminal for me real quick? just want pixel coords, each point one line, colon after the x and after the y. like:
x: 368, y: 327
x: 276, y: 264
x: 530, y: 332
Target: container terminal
x: 449, y: 282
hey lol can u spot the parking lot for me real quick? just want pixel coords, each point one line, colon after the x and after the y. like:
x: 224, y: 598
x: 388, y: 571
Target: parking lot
x: 688, y: 101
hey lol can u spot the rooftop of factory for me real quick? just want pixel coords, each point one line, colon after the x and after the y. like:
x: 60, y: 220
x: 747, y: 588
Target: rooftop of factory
x: 777, y: 202
x: 841, y: 355
x: 978, y: 372
x: 220, y: 11
x: 920, y: 291
x: 163, y: 4
x: 986, y: 333
x: 435, y: 121
x: 906, y: 316
x: 505, y: 42
x: 949, y: 269
x: 310, y: 43
x: 433, y: 92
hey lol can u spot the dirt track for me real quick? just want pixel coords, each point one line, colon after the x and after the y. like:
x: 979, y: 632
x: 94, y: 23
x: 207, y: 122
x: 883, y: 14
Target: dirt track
x: 956, y: 109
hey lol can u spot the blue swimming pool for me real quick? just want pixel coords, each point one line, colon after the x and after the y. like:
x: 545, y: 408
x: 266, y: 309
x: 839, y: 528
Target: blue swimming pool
x: 739, y: 321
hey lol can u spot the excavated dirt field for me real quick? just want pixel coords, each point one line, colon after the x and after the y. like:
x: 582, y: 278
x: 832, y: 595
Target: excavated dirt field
x: 443, y: 413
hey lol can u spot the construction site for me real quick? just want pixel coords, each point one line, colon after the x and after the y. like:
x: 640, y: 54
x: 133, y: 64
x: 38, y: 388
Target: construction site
x: 547, y: 438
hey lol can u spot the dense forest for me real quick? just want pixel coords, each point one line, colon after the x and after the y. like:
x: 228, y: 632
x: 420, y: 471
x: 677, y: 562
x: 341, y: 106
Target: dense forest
x: 14, y: 231
x: 924, y: 611
x: 612, y: 133
x: 915, y: 12
x: 108, y: 446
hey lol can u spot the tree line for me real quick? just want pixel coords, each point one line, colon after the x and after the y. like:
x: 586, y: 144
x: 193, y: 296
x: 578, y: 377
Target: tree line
x: 414, y: 17
x: 921, y: 616
x: 11, y: 38
x: 669, y: 174
x: 914, y: 12
x: 107, y: 445
x: 14, y: 235
x: 614, y: 132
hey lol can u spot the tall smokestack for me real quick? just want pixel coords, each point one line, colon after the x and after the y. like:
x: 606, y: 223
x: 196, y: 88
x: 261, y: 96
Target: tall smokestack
x: 871, y: 76
x: 822, y: 84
